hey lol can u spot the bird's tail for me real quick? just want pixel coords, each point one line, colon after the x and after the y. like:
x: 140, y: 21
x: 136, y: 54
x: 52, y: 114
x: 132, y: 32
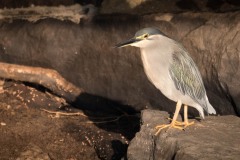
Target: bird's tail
x: 210, y: 108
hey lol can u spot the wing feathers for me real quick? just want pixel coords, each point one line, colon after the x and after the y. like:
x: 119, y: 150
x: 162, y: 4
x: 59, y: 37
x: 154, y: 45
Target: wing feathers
x: 186, y: 76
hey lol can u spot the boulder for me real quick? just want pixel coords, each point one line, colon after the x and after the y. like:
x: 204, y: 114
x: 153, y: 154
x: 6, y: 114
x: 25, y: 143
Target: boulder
x: 216, y: 137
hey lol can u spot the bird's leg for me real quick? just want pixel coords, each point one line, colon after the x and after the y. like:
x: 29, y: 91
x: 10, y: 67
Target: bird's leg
x: 173, y: 123
x: 177, y: 122
x: 186, y: 123
x: 174, y: 120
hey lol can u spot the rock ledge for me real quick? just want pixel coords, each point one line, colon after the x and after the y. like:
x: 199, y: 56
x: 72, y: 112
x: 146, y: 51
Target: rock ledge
x: 216, y: 137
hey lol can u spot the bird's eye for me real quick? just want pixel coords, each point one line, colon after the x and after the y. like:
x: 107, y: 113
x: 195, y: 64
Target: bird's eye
x: 145, y: 36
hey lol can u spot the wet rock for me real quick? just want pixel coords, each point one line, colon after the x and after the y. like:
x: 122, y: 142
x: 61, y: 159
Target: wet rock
x: 216, y: 137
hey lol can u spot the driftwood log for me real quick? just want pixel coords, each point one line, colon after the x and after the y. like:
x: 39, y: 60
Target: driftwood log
x: 48, y: 78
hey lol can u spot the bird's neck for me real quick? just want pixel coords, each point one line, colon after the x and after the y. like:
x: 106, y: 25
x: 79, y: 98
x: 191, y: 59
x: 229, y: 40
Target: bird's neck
x: 157, y: 54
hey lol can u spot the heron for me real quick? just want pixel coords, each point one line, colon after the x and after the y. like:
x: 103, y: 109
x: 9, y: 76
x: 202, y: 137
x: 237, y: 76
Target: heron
x: 170, y: 69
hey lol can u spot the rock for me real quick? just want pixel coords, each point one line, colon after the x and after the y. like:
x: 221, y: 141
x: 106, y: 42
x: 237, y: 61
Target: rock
x: 31, y: 3
x: 216, y: 137
x: 33, y: 152
x: 75, y: 13
x: 85, y: 56
x: 155, y: 6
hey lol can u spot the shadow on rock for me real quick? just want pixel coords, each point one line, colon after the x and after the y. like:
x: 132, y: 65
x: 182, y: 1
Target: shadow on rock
x: 109, y: 115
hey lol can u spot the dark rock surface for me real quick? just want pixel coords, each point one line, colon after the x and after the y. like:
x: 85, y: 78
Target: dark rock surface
x: 85, y: 56
x: 173, y: 6
x: 27, y: 132
x: 216, y: 137
x: 136, y: 6
x: 33, y: 152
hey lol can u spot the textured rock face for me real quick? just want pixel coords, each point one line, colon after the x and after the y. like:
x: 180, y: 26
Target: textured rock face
x: 214, y: 138
x: 155, y: 6
x: 85, y: 56
x: 220, y: 53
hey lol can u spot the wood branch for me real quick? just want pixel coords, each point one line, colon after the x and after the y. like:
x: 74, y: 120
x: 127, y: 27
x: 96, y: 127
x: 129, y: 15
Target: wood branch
x: 64, y: 113
x: 110, y: 119
x: 48, y: 78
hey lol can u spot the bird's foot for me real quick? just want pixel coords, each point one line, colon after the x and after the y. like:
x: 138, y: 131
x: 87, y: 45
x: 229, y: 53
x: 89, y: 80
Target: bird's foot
x: 172, y: 125
x: 185, y: 123
x: 177, y: 122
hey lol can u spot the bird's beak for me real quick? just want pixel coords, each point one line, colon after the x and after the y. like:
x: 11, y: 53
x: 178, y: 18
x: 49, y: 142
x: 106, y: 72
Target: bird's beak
x: 127, y: 42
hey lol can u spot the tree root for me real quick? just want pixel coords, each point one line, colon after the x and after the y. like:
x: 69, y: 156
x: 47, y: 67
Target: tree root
x: 103, y: 119
x: 48, y: 78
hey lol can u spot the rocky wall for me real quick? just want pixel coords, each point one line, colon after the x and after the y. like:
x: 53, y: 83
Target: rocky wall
x: 85, y: 55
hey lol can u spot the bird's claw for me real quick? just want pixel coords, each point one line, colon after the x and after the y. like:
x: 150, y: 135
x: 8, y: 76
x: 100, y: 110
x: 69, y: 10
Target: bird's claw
x: 176, y: 122
x: 161, y: 127
x: 185, y: 124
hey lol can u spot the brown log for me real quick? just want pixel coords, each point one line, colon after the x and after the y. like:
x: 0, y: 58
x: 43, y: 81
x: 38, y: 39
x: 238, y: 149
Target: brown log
x: 48, y: 78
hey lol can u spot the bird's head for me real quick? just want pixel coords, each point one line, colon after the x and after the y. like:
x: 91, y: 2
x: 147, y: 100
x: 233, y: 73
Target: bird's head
x: 143, y: 38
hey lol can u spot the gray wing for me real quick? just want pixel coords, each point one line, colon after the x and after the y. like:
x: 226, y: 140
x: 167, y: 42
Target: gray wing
x: 186, y: 76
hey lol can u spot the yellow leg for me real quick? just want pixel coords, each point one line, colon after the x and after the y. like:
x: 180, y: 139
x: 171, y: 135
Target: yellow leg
x: 173, y: 123
x: 186, y: 123
x: 176, y: 122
